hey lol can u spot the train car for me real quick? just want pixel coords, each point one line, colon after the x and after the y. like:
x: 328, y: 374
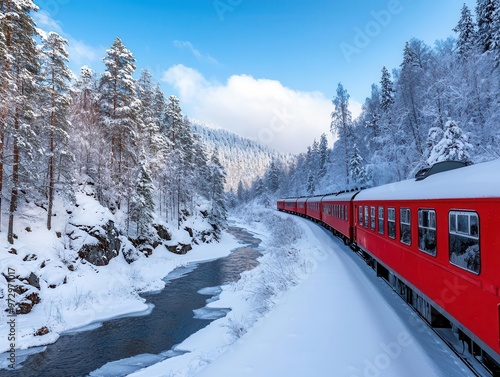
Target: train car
x: 290, y: 205
x: 436, y: 240
x: 301, y: 206
x: 337, y: 213
x: 280, y: 205
x: 313, y: 208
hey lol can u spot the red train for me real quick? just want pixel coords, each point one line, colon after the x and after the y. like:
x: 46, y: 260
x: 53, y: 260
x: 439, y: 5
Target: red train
x: 435, y: 239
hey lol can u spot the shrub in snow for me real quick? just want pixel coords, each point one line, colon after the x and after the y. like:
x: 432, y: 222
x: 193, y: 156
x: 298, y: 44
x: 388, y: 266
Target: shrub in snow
x: 453, y: 146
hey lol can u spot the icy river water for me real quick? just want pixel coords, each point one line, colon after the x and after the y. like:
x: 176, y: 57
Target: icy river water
x: 152, y: 336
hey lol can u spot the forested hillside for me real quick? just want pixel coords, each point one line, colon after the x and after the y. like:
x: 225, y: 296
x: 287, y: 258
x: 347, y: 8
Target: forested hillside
x: 244, y: 160
x: 441, y: 103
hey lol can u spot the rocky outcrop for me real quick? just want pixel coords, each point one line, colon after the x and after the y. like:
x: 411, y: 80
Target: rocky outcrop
x: 180, y: 248
x: 27, y: 290
x: 105, y: 248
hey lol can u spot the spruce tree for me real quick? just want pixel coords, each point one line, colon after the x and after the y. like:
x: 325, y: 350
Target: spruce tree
x: 454, y: 145
x: 20, y: 71
x: 466, y: 33
x: 387, y: 90
x: 218, y: 210
x: 120, y: 108
x: 142, y: 205
x: 485, y: 15
x: 342, y: 123
x: 56, y: 77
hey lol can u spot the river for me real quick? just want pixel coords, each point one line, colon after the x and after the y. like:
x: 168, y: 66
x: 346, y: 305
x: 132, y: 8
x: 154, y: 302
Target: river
x: 152, y: 336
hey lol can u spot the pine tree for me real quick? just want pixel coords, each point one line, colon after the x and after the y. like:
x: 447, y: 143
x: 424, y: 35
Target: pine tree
x: 142, y: 201
x: 387, y: 90
x: 454, y: 146
x: 357, y: 169
x: 342, y: 123
x: 56, y: 76
x: 323, y: 155
x: 272, y: 177
x: 120, y: 107
x: 466, y: 33
x: 485, y: 15
x: 20, y: 69
x: 88, y: 139
x: 218, y: 211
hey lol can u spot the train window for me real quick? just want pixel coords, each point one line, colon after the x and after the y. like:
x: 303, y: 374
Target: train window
x: 427, y: 231
x: 405, y: 226
x: 372, y: 218
x: 381, y: 220
x: 360, y: 219
x: 464, y: 240
x: 346, y: 213
x: 366, y: 216
x: 391, y: 222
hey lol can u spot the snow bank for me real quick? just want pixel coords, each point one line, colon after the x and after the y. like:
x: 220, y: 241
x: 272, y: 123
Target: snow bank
x: 76, y: 295
x: 341, y: 320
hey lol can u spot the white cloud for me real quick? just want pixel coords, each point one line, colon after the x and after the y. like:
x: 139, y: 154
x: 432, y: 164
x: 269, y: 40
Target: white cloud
x: 46, y: 23
x: 197, y: 54
x: 264, y: 110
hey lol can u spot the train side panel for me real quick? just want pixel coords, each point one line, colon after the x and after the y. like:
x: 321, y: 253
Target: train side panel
x: 435, y: 247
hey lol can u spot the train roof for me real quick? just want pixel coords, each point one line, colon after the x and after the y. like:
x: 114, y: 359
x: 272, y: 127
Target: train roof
x: 474, y: 181
x: 340, y: 197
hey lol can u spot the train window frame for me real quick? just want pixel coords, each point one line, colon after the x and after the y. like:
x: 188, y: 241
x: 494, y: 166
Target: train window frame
x: 372, y: 218
x: 360, y: 216
x: 346, y: 213
x: 460, y: 236
x: 381, y: 219
x: 405, y: 226
x: 391, y: 230
x: 427, y: 227
x: 367, y: 214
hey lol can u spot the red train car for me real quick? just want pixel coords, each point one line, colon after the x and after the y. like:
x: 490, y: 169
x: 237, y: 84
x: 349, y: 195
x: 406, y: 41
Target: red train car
x: 280, y: 205
x: 337, y: 213
x: 437, y: 241
x: 301, y: 206
x: 290, y: 205
x: 313, y: 208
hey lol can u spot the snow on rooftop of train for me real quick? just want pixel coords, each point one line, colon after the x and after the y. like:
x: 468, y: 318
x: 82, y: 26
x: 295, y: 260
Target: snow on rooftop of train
x: 474, y: 181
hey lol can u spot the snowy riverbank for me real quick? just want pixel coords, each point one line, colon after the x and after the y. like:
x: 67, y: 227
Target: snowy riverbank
x: 93, y: 294
x: 341, y: 320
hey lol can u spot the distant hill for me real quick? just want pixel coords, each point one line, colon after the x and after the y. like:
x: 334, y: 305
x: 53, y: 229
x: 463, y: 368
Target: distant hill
x: 244, y: 159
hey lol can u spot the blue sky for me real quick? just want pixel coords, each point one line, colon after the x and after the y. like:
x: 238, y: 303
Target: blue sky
x: 264, y: 69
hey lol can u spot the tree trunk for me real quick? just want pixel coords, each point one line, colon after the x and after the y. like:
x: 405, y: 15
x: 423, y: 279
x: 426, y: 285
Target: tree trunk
x: 15, y: 181
x: 51, y: 173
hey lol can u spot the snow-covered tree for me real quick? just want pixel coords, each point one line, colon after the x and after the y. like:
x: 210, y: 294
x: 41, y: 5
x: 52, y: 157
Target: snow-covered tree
x: 20, y: 70
x: 217, y: 179
x: 342, y: 123
x: 55, y: 78
x: 466, y: 33
x: 142, y: 201
x: 487, y: 24
x: 120, y: 117
x: 357, y: 169
x: 454, y: 146
x: 323, y: 155
x: 386, y: 90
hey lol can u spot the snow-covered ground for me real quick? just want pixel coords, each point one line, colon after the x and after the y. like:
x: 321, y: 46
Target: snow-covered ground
x: 332, y: 317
